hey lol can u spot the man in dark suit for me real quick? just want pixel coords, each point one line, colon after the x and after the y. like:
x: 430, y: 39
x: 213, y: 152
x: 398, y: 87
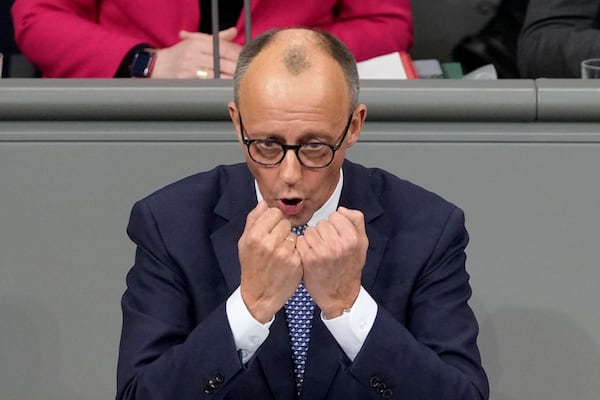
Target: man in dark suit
x: 220, y: 273
x: 557, y: 36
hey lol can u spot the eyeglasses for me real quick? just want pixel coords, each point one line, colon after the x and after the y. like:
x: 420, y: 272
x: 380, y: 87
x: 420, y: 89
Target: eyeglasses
x: 270, y: 152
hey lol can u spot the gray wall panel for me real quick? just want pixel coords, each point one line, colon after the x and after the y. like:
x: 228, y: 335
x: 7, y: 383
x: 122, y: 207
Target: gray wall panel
x: 64, y: 254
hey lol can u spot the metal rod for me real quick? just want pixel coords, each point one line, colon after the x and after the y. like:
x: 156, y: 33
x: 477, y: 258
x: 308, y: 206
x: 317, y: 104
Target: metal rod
x: 215, y: 33
x: 247, y: 21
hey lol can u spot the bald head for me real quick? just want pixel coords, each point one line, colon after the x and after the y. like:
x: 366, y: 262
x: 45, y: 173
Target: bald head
x: 298, y: 51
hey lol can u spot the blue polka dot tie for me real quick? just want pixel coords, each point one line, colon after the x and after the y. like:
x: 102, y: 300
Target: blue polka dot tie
x: 299, y: 310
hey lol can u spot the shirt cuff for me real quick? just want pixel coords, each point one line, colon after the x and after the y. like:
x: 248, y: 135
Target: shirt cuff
x: 248, y: 333
x: 351, y: 328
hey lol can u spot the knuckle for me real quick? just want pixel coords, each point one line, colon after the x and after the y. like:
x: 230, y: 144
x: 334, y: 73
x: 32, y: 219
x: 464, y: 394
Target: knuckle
x: 321, y: 224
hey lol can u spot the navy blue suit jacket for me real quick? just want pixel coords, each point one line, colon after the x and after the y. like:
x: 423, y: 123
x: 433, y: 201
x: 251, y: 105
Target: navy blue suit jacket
x: 176, y: 337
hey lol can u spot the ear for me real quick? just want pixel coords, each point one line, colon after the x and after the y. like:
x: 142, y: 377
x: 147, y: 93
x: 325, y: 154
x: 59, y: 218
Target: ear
x: 358, y: 120
x: 235, y: 118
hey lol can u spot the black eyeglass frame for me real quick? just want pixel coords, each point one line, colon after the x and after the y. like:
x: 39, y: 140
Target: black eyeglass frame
x: 295, y: 147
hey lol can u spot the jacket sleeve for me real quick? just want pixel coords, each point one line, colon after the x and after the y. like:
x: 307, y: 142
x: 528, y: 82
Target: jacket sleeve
x: 431, y: 353
x: 63, y: 39
x: 556, y: 36
x: 164, y: 352
x: 372, y: 28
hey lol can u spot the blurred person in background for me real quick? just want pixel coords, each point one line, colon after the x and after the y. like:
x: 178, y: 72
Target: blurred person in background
x: 496, y: 43
x: 557, y: 35
x: 171, y: 39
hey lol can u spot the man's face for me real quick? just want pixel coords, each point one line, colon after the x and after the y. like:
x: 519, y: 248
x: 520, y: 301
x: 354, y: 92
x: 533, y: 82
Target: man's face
x: 312, y: 106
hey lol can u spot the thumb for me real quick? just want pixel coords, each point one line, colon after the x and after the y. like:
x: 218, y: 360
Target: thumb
x: 228, y: 34
x: 184, y: 34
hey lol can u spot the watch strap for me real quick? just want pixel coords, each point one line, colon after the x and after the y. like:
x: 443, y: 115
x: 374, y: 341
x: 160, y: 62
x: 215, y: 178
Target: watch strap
x: 143, y: 63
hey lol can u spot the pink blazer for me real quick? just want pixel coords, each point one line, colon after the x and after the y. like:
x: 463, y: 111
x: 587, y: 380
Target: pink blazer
x: 89, y: 38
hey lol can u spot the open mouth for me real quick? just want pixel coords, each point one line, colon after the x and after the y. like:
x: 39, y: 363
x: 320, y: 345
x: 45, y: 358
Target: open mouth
x: 291, y: 202
x: 291, y: 206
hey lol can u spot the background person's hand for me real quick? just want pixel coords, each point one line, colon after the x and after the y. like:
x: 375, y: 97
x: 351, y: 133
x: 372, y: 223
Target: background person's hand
x: 271, y: 267
x: 333, y: 255
x: 195, y: 53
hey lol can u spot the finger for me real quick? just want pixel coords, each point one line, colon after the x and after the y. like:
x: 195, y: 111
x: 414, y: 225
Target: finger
x: 228, y: 66
x: 206, y: 72
x: 255, y: 214
x: 271, y: 222
x: 227, y: 48
x: 356, y: 217
x: 282, y: 228
x: 327, y: 231
x: 229, y: 51
x: 291, y: 239
x: 342, y: 224
x: 203, y: 44
x: 228, y: 34
x: 304, y: 251
x: 183, y: 35
x: 302, y: 245
x: 316, y: 238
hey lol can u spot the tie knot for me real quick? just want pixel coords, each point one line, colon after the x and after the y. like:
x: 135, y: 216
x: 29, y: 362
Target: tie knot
x: 299, y: 230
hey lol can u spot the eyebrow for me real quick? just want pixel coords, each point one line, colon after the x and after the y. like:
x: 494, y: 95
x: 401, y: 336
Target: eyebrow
x: 304, y: 138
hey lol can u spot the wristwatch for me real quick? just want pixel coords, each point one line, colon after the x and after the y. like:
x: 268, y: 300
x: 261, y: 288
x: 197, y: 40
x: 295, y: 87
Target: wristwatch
x: 143, y: 63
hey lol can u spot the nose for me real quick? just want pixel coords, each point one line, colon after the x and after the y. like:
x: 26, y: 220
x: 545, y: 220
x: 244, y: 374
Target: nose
x: 290, y: 169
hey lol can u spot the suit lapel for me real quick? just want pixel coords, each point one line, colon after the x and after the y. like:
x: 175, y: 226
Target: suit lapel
x: 366, y: 199
x: 225, y: 245
x: 237, y: 200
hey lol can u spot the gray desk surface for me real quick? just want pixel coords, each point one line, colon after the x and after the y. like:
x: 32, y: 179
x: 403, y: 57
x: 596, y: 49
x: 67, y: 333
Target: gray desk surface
x: 411, y: 100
